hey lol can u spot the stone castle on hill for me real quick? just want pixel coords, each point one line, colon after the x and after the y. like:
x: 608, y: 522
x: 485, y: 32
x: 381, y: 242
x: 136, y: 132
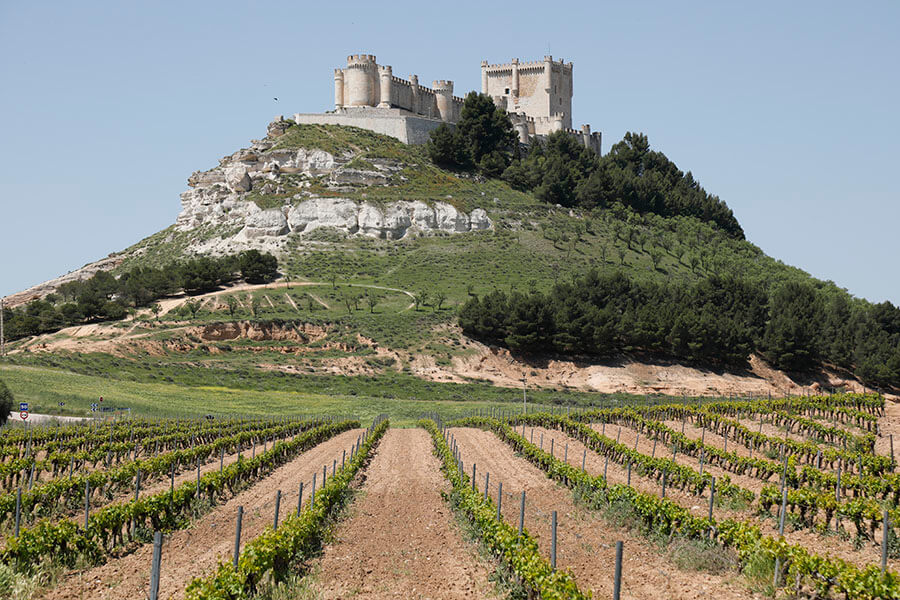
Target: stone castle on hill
x: 537, y: 95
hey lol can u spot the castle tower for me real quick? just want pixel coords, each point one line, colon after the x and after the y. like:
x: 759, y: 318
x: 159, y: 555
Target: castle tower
x: 514, y: 88
x: 443, y: 95
x: 414, y: 89
x: 338, y: 89
x: 385, y: 75
x: 484, y: 77
x: 586, y: 135
x: 360, y: 80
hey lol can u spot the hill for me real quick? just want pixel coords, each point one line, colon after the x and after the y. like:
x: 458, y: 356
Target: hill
x: 378, y: 248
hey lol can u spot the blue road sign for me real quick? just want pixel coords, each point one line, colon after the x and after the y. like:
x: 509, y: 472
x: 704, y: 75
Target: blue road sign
x: 23, y: 406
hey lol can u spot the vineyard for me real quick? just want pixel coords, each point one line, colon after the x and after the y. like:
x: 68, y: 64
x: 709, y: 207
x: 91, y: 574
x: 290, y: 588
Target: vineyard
x: 795, y: 497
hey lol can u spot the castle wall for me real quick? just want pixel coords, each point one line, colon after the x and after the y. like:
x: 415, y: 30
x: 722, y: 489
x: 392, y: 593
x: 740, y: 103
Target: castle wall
x: 365, y: 83
x: 407, y: 128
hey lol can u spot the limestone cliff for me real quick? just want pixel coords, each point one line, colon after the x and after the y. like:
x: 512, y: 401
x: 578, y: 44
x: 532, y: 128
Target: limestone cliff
x: 270, y: 191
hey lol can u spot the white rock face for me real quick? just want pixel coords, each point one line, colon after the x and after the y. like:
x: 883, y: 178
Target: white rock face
x: 218, y: 197
x: 237, y: 179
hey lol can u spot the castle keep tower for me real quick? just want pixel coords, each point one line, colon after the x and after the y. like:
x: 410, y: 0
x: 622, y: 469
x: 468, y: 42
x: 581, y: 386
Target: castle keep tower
x: 538, y: 97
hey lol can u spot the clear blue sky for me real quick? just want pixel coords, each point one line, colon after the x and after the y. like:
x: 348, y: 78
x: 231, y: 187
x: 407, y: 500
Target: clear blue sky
x: 787, y: 110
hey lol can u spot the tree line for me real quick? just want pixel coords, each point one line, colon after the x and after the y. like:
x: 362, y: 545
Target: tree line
x: 105, y: 297
x: 561, y: 170
x: 715, y: 320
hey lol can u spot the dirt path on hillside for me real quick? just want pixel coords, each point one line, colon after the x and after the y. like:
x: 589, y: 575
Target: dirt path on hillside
x: 586, y: 542
x: 401, y: 540
x: 196, y: 551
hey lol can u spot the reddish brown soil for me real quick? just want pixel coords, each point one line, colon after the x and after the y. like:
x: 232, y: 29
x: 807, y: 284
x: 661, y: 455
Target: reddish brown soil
x: 196, y: 551
x: 586, y: 542
x: 821, y: 544
x: 401, y: 540
x: 889, y: 425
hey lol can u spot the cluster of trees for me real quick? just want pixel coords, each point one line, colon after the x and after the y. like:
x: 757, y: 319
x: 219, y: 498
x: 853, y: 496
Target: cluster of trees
x: 7, y: 403
x: 104, y: 297
x: 483, y: 139
x: 716, y: 320
x: 560, y: 170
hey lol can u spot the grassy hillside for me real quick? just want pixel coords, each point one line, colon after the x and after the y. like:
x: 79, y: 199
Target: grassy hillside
x: 416, y: 284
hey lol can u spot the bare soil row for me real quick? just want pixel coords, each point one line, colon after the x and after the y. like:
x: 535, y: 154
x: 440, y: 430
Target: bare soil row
x: 196, y: 551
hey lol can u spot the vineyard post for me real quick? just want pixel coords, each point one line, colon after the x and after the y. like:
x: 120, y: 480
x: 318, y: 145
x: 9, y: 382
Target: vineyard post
x: 473, y: 477
x: 137, y: 485
x: 198, y: 478
x: 629, y: 471
x: 300, y: 499
x: 31, y: 477
x: 222, y: 460
x: 819, y: 459
x: 703, y: 436
x: 277, y: 507
x: 701, y: 462
x: 617, y: 581
x: 783, y: 511
x: 837, y: 487
x: 636, y: 439
x: 565, y: 456
x: 726, y: 442
x: 522, y: 514
x: 324, y: 474
x: 653, y: 454
x: 532, y: 435
x: 619, y: 435
x: 237, y: 535
x: 884, y: 541
x: 87, y: 502
x: 172, y: 479
x: 542, y: 440
x: 312, y: 493
x: 712, y: 499
x: 334, y: 467
x: 583, y: 458
x: 500, y: 498
x: 155, y: 564
x: 605, y: 465
x: 487, y: 483
x: 665, y: 473
x: 254, y: 448
x: 343, y: 458
x: 553, y: 540
x: 603, y: 429
x: 551, y: 448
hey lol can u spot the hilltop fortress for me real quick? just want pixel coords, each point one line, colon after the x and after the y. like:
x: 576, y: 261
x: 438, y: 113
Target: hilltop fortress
x: 537, y: 95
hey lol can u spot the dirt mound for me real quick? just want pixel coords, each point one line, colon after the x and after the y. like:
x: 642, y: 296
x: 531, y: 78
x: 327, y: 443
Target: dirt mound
x: 260, y: 332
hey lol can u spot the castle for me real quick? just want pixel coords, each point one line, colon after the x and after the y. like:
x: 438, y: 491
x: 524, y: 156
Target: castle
x: 537, y: 95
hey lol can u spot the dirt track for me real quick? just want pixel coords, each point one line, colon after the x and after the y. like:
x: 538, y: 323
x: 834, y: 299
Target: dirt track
x: 196, y: 551
x: 586, y: 542
x: 401, y: 541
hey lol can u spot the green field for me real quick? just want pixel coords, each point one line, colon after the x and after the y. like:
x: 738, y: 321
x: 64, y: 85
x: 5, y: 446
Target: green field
x: 404, y: 398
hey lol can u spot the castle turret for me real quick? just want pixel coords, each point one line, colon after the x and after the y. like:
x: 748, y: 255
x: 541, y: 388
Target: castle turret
x: 360, y: 80
x: 586, y: 135
x: 514, y: 89
x: 443, y: 95
x: 556, y: 122
x: 484, y: 77
x: 414, y: 86
x: 338, y: 89
x: 548, y: 74
x: 385, y: 74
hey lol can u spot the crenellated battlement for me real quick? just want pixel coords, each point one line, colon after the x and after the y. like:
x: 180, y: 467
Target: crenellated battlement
x: 537, y: 94
x: 361, y: 59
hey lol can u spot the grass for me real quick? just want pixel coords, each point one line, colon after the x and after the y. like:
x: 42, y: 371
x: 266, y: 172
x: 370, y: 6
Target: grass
x: 155, y: 392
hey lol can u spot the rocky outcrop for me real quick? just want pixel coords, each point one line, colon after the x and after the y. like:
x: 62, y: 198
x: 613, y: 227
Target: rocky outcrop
x: 229, y: 193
